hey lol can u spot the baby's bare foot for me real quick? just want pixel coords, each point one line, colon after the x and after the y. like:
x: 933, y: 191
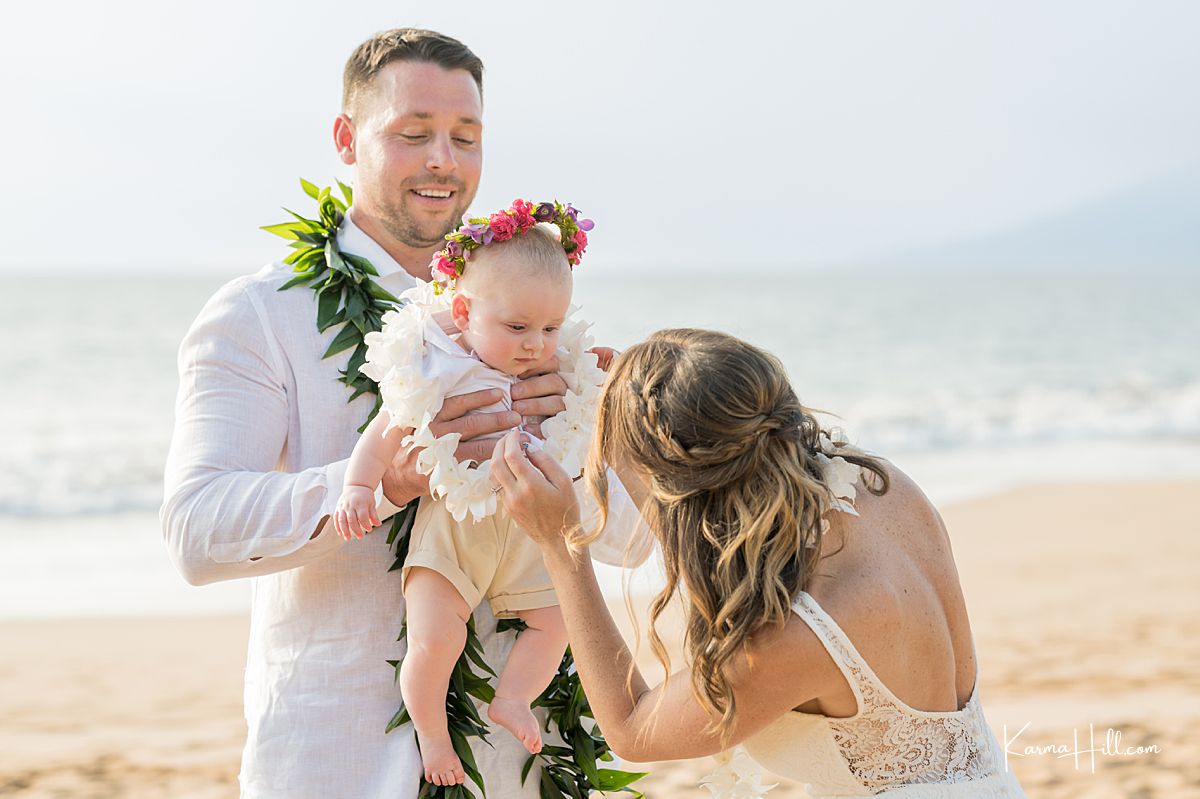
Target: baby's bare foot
x: 442, y: 766
x: 515, y: 716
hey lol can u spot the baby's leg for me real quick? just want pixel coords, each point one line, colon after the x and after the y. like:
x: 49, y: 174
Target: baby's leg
x: 437, y: 630
x: 531, y: 665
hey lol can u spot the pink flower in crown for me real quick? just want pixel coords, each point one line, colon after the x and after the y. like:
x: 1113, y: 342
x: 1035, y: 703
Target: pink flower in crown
x: 581, y: 242
x: 502, y: 226
x: 522, y: 212
x: 443, y: 264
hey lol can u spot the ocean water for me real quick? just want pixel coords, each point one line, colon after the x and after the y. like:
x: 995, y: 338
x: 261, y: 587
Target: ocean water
x: 971, y: 381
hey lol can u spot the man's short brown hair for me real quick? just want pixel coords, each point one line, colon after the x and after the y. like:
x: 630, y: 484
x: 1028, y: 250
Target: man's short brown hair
x: 404, y: 44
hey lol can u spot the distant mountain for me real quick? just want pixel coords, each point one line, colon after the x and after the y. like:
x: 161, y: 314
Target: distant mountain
x: 1154, y: 225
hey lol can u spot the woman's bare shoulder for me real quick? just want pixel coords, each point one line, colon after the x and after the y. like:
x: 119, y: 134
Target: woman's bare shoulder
x: 896, y: 543
x: 904, y: 499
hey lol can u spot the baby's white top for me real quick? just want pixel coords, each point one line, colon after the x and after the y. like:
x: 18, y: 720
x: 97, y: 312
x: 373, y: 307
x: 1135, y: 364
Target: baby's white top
x: 455, y: 371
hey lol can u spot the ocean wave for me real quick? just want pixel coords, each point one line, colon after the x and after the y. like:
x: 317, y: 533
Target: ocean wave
x: 98, y: 477
x: 1126, y: 410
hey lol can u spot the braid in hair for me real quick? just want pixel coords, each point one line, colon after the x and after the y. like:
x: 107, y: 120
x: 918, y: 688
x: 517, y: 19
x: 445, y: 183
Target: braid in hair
x: 736, y: 494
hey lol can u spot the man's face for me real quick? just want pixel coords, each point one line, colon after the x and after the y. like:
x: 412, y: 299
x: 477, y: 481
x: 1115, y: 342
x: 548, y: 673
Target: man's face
x: 417, y: 150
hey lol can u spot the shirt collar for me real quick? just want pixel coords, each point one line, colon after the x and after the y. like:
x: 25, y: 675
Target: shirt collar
x: 353, y: 240
x: 436, y: 336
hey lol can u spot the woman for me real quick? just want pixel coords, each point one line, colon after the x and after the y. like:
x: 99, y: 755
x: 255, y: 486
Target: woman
x: 826, y: 628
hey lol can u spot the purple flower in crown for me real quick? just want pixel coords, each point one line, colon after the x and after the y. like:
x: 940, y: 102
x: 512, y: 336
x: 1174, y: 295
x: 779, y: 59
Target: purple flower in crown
x: 454, y: 248
x: 478, y: 232
x: 544, y: 212
x: 582, y: 224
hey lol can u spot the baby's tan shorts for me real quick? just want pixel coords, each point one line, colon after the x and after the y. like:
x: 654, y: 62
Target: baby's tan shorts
x: 490, y: 559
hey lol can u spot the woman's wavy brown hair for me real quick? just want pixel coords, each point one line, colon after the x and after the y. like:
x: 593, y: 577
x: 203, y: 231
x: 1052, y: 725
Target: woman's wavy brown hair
x: 736, y: 497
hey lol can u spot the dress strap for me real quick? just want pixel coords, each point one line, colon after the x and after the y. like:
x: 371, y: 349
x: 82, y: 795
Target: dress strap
x: 862, y: 680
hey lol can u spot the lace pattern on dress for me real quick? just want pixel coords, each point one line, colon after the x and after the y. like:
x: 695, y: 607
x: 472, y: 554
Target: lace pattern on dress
x: 887, y: 743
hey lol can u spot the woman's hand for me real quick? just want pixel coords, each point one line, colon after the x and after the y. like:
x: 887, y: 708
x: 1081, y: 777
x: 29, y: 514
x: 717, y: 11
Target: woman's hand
x: 535, y: 490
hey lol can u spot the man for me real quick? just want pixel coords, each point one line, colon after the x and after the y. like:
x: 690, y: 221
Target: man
x: 263, y: 429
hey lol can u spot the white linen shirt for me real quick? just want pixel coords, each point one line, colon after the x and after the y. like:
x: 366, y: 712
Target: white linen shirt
x: 258, y: 455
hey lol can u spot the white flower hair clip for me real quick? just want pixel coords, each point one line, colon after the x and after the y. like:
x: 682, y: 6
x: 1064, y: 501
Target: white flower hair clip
x: 839, y: 474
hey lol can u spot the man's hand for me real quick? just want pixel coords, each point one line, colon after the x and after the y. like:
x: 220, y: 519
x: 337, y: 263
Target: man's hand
x: 402, y: 483
x: 539, y: 395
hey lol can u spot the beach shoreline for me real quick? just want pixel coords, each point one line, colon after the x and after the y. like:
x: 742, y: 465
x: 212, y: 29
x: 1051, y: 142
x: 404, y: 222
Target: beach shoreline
x: 1082, y: 599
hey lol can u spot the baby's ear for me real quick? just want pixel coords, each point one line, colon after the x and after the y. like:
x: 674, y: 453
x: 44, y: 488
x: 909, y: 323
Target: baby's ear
x: 460, y: 311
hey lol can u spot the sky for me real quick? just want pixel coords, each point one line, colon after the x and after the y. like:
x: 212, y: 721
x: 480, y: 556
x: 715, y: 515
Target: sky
x: 151, y: 137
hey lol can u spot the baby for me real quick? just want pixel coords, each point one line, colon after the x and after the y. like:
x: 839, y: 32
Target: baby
x: 510, y: 300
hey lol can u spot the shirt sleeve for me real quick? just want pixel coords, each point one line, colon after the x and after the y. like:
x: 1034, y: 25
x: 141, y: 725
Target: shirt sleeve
x: 227, y: 513
x: 625, y: 540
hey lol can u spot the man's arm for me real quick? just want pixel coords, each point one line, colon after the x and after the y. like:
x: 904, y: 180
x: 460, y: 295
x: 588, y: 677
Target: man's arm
x: 226, y: 512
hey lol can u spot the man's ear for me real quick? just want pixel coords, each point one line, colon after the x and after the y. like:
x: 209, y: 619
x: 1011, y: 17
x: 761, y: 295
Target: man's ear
x: 343, y: 138
x: 460, y: 311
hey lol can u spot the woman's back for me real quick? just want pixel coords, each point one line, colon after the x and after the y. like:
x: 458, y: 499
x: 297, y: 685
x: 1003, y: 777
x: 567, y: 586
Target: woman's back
x: 889, y: 578
x: 887, y: 608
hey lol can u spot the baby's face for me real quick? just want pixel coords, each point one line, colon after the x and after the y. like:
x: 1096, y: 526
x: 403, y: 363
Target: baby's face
x: 512, y: 323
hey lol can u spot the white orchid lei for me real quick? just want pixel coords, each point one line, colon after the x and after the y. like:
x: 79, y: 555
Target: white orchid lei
x: 394, y: 358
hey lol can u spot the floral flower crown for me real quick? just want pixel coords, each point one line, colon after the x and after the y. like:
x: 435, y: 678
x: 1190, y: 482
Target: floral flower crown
x: 449, y: 264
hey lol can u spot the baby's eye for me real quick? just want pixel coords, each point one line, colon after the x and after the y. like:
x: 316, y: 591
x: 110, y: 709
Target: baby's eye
x: 516, y: 328
x: 551, y: 329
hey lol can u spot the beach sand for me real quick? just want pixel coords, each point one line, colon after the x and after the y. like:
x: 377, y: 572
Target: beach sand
x: 1083, y: 598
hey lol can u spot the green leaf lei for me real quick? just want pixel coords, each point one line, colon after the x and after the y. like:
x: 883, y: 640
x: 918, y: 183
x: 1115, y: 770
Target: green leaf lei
x: 347, y: 295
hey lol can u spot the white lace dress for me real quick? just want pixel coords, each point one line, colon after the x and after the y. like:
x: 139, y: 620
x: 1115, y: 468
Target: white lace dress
x: 886, y: 747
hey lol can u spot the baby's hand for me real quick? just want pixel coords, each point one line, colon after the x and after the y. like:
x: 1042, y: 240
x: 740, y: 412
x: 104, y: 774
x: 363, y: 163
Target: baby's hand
x: 355, y: 514
x: 604, y: 356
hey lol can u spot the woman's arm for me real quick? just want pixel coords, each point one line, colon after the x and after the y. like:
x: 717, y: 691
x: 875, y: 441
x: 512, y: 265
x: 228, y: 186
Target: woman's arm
x: 779, y: 670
